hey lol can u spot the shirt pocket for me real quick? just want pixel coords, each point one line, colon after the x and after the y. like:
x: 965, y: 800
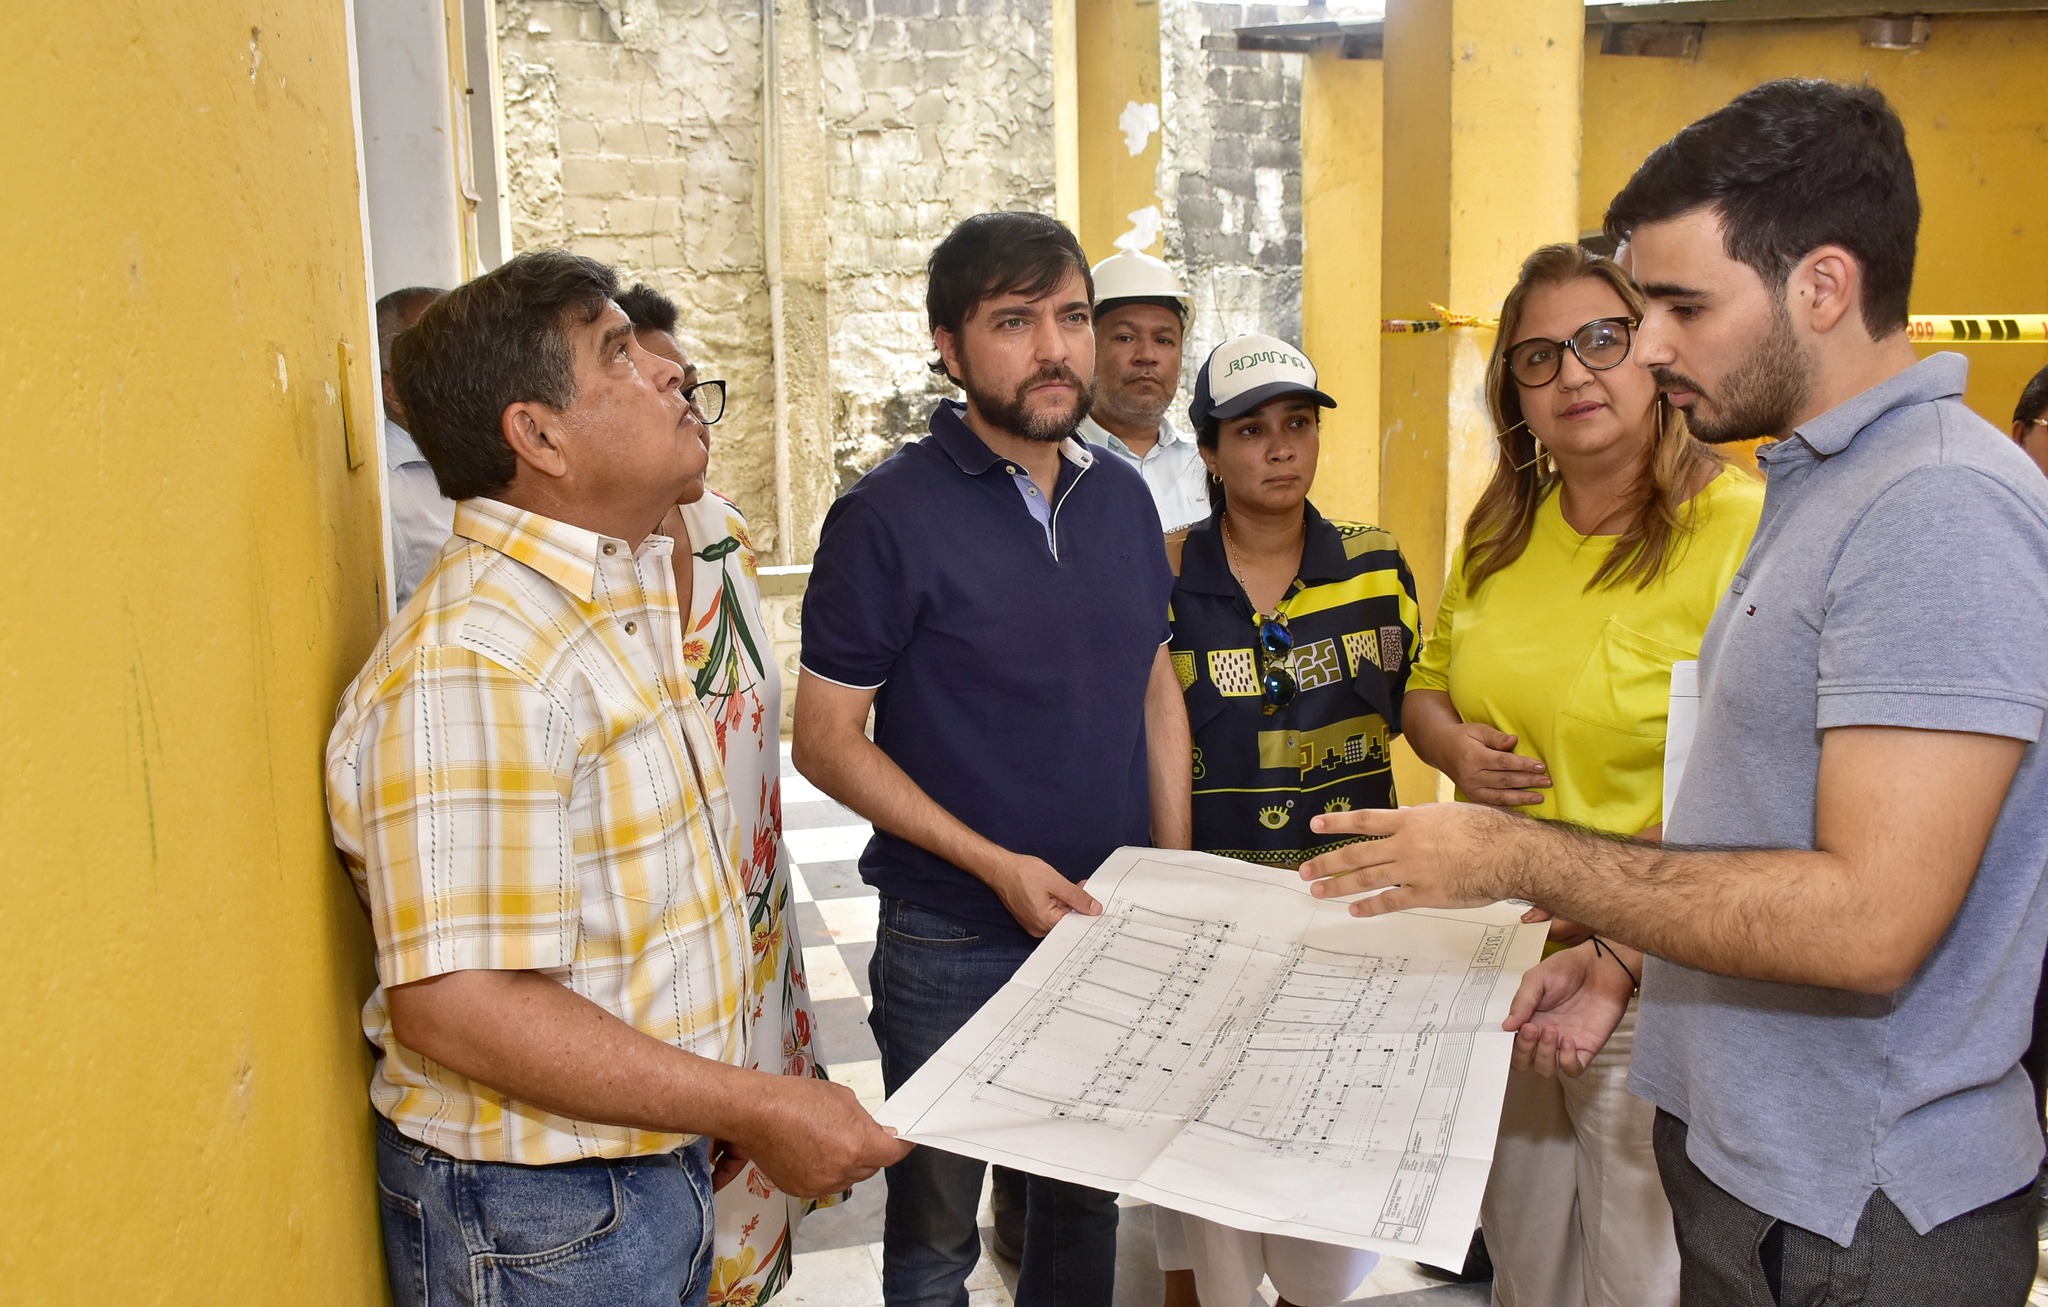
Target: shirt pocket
x: 1625, y: 682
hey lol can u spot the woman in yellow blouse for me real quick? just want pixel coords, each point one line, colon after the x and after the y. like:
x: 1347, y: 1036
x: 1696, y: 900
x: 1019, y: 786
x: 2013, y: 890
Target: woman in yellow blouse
x: 1592, y: 563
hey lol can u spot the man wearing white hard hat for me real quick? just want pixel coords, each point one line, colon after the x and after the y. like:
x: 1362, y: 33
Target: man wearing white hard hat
x: 1141, y: 313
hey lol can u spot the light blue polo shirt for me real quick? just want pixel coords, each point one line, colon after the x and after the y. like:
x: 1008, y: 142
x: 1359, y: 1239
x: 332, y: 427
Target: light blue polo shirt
x: 1899, y: 577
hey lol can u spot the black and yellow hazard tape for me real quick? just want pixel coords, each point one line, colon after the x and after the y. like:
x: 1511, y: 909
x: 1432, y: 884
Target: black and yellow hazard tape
x: 1921, y: 328
x: 2007, y: 328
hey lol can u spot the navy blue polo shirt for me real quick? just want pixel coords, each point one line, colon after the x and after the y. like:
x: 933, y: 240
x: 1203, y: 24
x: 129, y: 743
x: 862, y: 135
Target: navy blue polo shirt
x: 1011, y: 658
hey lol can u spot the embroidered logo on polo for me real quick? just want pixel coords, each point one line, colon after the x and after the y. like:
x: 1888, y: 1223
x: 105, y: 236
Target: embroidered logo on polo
x: 1234, y: 671
x: 1316, y: 665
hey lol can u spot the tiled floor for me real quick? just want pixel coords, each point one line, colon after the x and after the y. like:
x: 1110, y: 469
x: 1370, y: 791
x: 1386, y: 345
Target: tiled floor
x: 839, y: 1251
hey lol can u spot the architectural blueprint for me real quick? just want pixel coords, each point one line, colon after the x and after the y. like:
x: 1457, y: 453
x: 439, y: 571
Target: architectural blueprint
x: 1219, y: 1042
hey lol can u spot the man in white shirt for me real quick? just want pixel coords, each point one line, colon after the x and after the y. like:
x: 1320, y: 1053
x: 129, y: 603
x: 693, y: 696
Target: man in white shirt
x: 1141, y: 313
x: 421, y: 520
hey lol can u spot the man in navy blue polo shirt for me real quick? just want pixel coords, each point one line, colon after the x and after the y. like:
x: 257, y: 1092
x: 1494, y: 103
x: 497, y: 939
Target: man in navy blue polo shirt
x: 997, y: 593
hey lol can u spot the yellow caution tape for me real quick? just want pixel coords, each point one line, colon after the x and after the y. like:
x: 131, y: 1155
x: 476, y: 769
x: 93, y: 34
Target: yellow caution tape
x: 1921, y: 328
x: 1443, y: 321
x: 2025, y: 328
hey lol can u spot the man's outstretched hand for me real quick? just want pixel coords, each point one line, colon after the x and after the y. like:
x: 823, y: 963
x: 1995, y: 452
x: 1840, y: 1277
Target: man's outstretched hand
x: 1433, y: 856
x: 1568, y: 1005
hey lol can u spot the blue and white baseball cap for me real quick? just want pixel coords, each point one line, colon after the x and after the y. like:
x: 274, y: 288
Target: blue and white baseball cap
x: 1246, y: 371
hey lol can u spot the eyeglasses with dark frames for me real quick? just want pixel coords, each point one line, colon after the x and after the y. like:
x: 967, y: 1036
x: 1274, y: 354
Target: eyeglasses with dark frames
x: 1600, y: 344
x: 708, y: 398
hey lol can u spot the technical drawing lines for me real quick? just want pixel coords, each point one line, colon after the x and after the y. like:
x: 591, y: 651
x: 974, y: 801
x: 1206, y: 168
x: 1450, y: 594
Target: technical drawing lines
x: 1221, y: 1041
x: 1127, y: 1029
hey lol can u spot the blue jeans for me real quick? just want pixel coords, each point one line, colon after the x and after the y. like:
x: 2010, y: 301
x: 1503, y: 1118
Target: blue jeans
x: 929, y: 975
x: 630, y: 1232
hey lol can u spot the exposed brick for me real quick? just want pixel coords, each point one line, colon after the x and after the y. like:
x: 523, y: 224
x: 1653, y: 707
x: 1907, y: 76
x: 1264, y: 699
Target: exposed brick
x: 580, y: 136
x: 931, y: 110
x: 589, y: 176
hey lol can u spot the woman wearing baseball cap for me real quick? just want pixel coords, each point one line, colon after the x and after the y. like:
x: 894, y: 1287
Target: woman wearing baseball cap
x: 1286, y: 627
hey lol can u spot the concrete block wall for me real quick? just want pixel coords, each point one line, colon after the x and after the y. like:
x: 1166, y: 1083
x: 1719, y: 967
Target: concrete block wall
x: 934, y: 110
x: 634, y: 134
x: 1230, y: 173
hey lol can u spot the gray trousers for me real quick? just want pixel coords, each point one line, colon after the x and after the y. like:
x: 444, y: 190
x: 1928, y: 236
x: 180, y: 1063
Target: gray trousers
x: 1732, y: 1255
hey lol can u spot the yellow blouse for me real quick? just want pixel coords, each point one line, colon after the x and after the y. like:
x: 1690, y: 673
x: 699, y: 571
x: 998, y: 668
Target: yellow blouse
x: 1583, y: 677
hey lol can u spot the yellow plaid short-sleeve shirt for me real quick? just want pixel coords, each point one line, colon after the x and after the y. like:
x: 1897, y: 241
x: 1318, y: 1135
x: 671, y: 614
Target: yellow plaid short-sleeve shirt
x: 521, y: 779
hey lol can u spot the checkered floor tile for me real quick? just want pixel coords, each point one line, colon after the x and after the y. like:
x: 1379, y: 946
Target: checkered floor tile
x: 839, y: 1249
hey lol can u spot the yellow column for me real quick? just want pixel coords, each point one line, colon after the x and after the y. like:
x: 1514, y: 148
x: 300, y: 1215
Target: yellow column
x: 190, y: 558
x: 1340, y: 273
x: 1066, y: 159
x: 1482, y: 166
x: 1117, y: 105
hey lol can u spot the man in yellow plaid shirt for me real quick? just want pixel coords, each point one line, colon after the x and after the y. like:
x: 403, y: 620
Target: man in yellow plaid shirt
x: 529, y: 799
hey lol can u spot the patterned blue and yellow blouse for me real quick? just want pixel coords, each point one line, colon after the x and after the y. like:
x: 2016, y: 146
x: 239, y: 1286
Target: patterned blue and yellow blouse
x: 1294, y: 715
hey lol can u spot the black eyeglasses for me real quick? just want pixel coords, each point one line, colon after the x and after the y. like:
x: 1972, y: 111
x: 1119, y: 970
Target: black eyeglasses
x: 1600, y: 345
x: 708, y: 398
x: 1277, y: 686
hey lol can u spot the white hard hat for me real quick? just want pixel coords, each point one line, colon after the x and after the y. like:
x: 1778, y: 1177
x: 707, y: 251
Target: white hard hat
x: 1131, y: 275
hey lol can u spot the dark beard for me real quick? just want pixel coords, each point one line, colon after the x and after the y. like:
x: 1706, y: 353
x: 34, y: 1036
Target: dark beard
x: 1013, y: 416
x: 1759, y: 398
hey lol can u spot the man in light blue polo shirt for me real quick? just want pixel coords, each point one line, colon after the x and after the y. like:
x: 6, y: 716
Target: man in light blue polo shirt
x: 1845, y: 927
x: 1141, y: 315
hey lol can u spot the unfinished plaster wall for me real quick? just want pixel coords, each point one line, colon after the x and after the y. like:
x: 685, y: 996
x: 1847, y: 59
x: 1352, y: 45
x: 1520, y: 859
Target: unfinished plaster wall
x: 1230, y: 173
x: 633, y: 135
x: 934, y: 110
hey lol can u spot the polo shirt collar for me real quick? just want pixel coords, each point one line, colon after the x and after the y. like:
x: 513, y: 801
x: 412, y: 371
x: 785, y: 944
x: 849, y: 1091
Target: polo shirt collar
x: 971, y: 453
x: 567, y: 555
x: 1097, y: 434
x: 1205, y: 567
x: 1939, y: 376
x: 1322, y: 549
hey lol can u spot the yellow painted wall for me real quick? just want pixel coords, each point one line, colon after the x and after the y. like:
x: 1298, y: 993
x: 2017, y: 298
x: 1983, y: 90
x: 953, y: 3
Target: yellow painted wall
x: 189, y: 574
x: 1481, y: 149
x: 1974, y: 119
x: 1117, y: 52
x: 1340, y: 273
x: 1066, y: 122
